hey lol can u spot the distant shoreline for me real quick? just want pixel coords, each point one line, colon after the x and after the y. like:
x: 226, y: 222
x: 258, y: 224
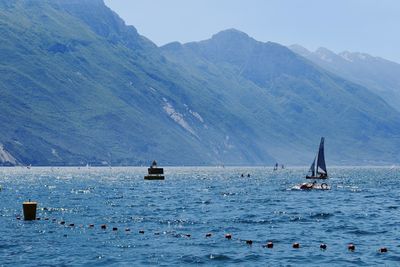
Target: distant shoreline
x: 205, y: 166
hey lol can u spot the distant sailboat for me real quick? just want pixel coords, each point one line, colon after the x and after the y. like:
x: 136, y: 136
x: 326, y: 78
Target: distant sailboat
x: 276, y: 166
x: 318, y: 167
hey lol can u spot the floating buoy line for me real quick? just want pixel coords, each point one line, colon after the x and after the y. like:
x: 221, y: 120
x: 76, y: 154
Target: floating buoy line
x: 227, y: 236
x: 29, y: 210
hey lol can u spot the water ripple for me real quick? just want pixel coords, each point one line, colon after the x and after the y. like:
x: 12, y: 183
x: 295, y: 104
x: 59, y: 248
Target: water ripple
x: 184, y: 219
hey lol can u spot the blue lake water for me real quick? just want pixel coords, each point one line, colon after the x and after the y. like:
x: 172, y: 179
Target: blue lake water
x: 362, y: 208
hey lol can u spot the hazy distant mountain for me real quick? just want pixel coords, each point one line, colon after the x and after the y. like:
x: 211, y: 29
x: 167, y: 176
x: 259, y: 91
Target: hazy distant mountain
x: 295, y: 101
x: 77, y: 85
x: 380, y: 75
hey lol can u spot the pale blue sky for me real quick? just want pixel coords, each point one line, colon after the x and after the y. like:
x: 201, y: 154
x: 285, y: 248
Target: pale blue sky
x: 370, y: 26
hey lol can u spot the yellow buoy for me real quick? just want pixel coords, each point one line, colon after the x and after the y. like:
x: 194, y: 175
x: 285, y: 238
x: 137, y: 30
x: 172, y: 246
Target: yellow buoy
x: 29, y: 211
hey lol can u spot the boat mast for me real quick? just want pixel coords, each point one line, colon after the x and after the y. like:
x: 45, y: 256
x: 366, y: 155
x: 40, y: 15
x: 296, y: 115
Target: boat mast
x: 316, y: 164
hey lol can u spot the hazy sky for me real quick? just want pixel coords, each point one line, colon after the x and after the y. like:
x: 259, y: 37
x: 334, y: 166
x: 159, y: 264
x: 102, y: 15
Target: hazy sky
x: 371, y: 26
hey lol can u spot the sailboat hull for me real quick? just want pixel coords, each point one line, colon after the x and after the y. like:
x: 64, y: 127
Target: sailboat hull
x: 317, y: 177
x: 313, y: 186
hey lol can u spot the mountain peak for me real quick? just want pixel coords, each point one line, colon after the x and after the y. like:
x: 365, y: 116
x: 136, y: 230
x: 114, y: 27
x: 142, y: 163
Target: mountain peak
x: 325, y: 54
x: 231, y: 34
x: 323, y: 50
x: 352, y: 56
x: 173, y: 46
x: 299, y: 50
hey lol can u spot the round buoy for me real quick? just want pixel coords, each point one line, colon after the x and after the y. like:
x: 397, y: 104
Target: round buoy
x: 228, y: 236
x: 323, y: 246
x: 351, y: 247
x: 141, y: 231
x: 115, y: 229
x: 208, y: 235
x: 383, y: 250
x: 269, y: 245
x: 103, y: 226
x: 249, y: 242
x: 296, y: 245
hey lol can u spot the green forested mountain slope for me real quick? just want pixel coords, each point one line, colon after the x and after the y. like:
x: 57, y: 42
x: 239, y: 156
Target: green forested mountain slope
x: 77, y: 85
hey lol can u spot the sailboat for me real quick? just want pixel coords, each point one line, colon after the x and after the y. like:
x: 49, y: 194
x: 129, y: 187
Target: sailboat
x: 318, y: 167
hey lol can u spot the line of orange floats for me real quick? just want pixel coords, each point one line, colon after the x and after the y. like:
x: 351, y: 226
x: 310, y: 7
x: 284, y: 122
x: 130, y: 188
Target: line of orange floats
x: 351, y: 247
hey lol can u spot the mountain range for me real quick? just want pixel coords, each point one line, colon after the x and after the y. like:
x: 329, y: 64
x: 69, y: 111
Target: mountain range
x: 379, y: 75
x: 79, y: 86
